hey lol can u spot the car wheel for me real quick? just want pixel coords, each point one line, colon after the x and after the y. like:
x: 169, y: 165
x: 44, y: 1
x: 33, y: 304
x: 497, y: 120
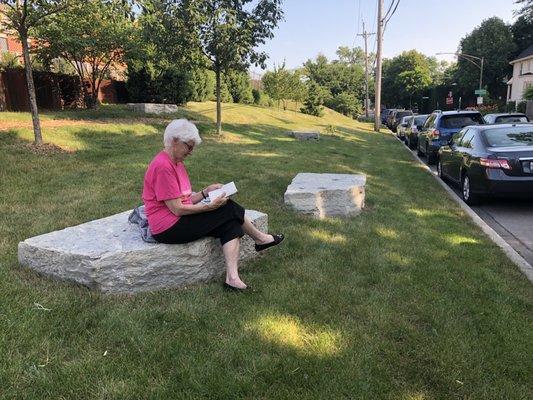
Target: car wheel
x: 432, y: 158
x: 466, y: 191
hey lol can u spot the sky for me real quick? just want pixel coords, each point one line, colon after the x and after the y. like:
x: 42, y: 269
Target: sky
x: 429, y: 26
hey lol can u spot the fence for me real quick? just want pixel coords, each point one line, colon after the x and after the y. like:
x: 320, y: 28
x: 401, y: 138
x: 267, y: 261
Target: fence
x: 53, y: 91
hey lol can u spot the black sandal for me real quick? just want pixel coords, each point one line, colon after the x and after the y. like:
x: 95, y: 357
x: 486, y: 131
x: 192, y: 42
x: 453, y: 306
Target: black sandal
x: 227, y: 286
x: 277, y: 240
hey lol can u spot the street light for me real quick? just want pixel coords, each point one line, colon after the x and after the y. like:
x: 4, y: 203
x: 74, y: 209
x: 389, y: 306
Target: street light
x: 471, y: 59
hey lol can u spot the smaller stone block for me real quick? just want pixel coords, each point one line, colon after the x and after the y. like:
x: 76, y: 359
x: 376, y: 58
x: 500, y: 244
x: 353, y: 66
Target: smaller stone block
x: 327, y: 195
x: 302, y: 135
x: 153, y: 108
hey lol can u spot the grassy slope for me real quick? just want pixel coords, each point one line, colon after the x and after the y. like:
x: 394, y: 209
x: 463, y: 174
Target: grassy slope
x: 407, y: 301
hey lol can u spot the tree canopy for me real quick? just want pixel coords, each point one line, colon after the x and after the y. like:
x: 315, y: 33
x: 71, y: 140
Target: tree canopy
x: 228, y: 32
x: 406, y: 76
x: 93, y: 35
x: 24, y: 16
x: 493, y: 41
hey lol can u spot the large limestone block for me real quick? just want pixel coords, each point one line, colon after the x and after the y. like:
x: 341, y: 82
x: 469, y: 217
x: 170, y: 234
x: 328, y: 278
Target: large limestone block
x: 153, y: 108
x: 109, y: 255
x: 327, y: 195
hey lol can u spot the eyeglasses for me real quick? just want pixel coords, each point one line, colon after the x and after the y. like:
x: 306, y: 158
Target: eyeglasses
x: 189, y: 147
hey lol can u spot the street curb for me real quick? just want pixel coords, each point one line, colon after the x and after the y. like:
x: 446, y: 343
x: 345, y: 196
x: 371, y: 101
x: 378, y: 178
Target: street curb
x: 525, y: 267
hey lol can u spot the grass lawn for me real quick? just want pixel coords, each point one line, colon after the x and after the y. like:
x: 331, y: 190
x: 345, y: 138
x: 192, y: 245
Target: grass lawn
x: 409, y: 300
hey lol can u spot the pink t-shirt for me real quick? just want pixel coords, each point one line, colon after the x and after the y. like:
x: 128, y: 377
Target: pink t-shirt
x: 164, y: 180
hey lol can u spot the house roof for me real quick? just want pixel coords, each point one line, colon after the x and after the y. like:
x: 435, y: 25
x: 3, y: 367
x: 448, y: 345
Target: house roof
x: 527, y: 53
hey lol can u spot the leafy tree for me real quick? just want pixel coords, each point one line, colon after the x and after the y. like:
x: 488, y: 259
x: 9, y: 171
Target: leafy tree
x: 277, y: 84
x: 24, y: 16
x: 354, y: 55
x: 314, y: 100
x: 493, y: 41
x: 526, y: 9
x: 239, y: 86
x: 336, y: 77
x: 522, y: 31
x: 202, y: 85
x: 347, y: 104
x: 228, y: 32
x: 528, y: 93
x: 406, y: 76
x: 93, y: 36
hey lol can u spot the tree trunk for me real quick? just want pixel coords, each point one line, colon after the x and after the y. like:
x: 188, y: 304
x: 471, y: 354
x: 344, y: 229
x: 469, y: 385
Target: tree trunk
x: 31, y: 89
x: 219, y: 105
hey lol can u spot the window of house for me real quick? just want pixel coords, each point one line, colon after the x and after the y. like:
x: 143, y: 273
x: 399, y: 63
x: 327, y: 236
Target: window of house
x: 3, y: 44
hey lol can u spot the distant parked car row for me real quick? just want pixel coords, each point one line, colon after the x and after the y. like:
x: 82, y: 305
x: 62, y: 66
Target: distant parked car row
x: 486, y: 156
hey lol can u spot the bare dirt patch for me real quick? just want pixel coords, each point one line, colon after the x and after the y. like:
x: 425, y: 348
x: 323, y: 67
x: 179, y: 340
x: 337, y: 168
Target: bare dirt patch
x: 45, y: 149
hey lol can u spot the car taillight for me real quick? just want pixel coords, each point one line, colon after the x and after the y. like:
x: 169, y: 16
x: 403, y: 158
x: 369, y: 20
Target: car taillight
x: 495, y: 163
x: 435, y: 134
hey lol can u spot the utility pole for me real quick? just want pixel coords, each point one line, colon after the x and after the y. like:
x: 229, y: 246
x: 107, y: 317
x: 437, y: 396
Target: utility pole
x: 365, y: 35
x: 377, y: 106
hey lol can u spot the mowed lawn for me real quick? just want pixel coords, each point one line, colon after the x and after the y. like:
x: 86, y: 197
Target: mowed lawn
x: 409, y: 300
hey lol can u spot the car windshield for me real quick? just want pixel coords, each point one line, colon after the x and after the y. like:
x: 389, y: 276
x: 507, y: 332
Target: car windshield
x: 403, y: 114
x: 509, y: 137
x: 420, y: 120
x: 508, y: 119
x: 459, y: 121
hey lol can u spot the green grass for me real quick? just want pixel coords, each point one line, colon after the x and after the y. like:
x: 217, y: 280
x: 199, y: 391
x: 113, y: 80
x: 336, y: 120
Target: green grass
x: 409, y: 300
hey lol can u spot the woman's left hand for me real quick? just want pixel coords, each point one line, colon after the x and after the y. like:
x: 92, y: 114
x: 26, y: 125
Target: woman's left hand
x: 212, y: 187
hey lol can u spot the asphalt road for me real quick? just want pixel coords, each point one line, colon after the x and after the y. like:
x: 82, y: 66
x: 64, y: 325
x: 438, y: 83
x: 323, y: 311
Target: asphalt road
x: 511, y: 219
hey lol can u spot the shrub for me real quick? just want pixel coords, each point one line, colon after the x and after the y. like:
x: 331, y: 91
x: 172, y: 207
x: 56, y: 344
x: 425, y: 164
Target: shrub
x: 528, y: 93
x: 202, y: 85
x: 262, y: 99
x: 314, y: 100
x: 346, y: 103
x: 170, y: 86
x: 239, y: 86
x: 521, y: 107
x: 9, y: 61
x: 510, y: 106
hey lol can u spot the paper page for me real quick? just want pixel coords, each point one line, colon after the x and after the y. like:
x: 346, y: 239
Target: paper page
x: 228, y: 188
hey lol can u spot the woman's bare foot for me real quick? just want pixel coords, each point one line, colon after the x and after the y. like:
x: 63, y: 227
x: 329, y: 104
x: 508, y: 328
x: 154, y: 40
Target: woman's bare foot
x: 265, y: 239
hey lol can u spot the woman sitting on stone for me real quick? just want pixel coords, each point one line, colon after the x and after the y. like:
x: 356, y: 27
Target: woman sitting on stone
x: 177, y: 215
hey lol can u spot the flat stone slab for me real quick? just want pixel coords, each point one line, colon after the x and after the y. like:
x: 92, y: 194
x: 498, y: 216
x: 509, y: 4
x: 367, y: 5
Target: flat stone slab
x: 109, y: 255
x: 327, y: 195
x: 303, y: 135
x: 153, y: 108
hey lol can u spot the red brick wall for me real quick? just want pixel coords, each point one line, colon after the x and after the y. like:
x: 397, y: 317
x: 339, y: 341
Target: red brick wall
x: 13, y: 45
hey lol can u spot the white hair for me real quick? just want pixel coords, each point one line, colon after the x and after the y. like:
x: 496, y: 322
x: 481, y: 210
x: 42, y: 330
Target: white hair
x: 183, y: 130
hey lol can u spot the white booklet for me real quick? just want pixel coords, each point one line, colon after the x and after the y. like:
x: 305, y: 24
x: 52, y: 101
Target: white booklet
x: 228, y: 188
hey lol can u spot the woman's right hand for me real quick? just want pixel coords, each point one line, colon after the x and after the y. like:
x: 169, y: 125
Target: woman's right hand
x: 218, y: 202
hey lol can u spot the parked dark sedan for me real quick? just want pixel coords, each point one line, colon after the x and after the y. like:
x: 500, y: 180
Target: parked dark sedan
x: 490, y: 160
x: 505, y: 118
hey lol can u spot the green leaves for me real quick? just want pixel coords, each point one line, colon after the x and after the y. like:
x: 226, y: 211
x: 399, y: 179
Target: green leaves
x: 406, y: 76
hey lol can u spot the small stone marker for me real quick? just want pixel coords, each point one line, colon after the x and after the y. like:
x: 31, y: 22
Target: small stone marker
x: 109, y: 255
x: 327, y: 195
x: 301, y: 135
x: 153, y: 108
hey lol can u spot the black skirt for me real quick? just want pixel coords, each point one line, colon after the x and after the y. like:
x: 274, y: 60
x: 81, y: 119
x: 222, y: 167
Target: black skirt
x: 224, y: 223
